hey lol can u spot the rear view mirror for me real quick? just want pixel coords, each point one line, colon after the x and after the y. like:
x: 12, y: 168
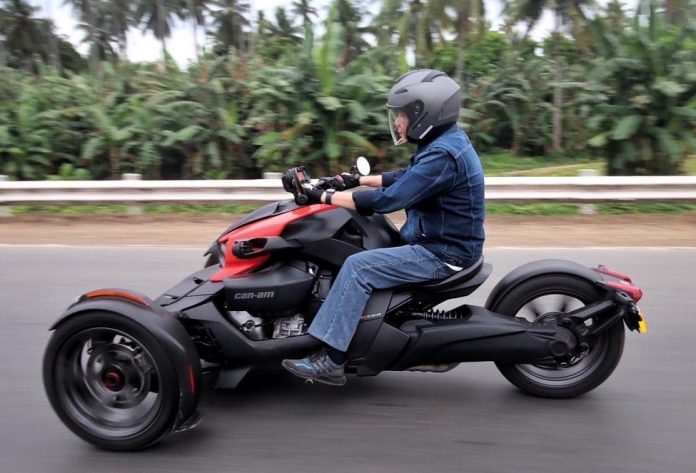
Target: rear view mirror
x: 363, y: 166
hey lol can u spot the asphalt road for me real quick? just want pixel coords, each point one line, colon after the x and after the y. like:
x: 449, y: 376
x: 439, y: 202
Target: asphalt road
x: 643, y: 419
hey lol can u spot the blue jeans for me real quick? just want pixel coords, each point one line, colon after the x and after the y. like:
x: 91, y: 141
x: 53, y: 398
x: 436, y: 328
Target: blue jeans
x: 383, y: 268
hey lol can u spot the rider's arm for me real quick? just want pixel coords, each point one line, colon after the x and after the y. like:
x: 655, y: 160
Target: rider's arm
x: 390, y: 177
x: 345, y: 199
x: 371, y: 181
x: 432, y: 173
x: 342, y: 199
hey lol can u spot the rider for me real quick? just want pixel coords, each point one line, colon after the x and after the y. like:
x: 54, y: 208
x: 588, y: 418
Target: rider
x: 443, y: 193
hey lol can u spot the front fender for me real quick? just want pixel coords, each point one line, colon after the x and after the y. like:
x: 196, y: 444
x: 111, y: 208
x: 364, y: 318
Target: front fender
x: 534, y: 269
x: 159, y: 323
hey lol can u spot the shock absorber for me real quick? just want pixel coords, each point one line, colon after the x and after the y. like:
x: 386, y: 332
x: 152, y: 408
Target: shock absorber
x: 454, y: 314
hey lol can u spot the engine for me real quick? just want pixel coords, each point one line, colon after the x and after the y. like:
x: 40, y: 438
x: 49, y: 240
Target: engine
x: 279, y: 301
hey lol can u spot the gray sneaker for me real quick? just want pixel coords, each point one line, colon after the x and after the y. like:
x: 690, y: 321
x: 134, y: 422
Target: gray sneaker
x: 317, y: 367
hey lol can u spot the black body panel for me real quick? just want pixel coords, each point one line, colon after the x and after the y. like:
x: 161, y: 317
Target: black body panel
x: 331, y: 237
x: 275, y: 289
x: 239, y: 350
x: 538, y: 268
x: 480, y: 335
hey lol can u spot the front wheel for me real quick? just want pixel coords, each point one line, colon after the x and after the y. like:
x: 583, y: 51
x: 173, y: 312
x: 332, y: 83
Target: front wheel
x: 110, y: 381
x: 545, y: 298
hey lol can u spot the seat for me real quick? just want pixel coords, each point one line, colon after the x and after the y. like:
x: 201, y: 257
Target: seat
x: 439, y: 285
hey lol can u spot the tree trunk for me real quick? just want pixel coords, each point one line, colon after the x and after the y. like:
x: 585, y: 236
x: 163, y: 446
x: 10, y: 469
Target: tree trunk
x: 557, y: 108
x: 3, y: 54
x: 672, y: 11
x: 159, y: 5
x: 196, y: 47
x: 164, y: 50
x: 557, y: 94
x: 462, y: 30
x: 195, y: 30
x: 93, y: 52
x: 115, y: 160
x: 123, y: 45
x: 53, y: 40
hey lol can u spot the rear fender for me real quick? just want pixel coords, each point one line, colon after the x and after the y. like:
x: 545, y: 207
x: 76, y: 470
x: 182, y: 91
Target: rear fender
x: 160, y: 324
x: 535, y: 269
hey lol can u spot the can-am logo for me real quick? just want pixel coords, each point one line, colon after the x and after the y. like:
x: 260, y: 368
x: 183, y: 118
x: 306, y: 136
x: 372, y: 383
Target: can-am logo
x: 254, y: 295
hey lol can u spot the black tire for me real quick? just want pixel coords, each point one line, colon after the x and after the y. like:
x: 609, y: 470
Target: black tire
x: 110, y: 381
x: 583, y: 373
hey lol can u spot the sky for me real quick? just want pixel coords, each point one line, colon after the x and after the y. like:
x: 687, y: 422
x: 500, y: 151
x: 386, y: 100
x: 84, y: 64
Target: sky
x: 144, y: 47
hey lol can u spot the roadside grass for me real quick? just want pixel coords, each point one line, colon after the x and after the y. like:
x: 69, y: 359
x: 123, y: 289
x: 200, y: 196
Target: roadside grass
x: 150, y: 209
x: 573, y: 209
x: 690, y: 166
x: 506, y: 164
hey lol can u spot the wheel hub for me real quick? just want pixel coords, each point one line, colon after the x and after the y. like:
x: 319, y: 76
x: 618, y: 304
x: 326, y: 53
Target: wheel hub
x: 113, y: 379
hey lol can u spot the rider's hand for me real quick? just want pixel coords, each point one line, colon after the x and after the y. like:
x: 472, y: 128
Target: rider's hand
x: 349, y: 181
x: 330, y: 183
x: 339, y: 182
x: 314, y: 195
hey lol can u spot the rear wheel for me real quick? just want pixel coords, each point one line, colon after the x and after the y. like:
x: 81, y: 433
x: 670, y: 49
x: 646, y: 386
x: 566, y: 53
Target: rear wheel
x: 543, y: 300
x: 110, y: 381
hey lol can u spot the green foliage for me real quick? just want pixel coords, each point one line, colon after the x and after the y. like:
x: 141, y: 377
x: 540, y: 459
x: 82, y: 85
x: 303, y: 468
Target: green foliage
x: 272, y: 94
x: 509, y: 106
x: 641, y: 97
x: 497, y: 163
x: 68, y: 172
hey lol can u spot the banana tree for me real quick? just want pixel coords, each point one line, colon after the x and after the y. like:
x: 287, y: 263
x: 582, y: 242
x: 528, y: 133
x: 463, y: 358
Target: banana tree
x: 24, y: 147
x: 318, y: 113
x: 644, y: 93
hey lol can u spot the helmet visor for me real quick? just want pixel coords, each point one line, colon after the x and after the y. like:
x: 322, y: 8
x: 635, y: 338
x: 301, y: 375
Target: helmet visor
x: 398, y: 125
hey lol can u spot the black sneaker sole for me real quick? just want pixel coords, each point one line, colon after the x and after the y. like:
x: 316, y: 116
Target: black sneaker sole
x: 326, y: 379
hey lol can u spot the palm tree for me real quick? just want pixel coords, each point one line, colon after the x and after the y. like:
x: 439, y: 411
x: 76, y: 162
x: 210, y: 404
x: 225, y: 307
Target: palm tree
x: 230, y: 22
x: 413, y: 23
x: 349, y: 17
x: 304, y: 10
x: 157, y: 16
x: 283, y: 27
x: 196, y: 12
x: 615, y: 13
x: 568, y: 14
x: 24, y: 37
x: 384, y: 24
x: 467, y: 13
x: 87, y: 14
x: 54, y: 52
x: 102, y: 39
x: 119, y: 17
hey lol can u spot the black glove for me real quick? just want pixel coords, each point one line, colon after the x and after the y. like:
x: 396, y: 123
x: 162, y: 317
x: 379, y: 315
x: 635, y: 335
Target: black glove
x: 340, y: 182
x: 349, y: 181
x: 329, y: 183
x: 314, y: 195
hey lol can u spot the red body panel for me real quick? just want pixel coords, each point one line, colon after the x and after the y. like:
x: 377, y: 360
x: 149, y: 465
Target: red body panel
x: 268, y: 227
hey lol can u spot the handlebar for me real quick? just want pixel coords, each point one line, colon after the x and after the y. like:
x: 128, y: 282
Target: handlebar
x: 298, y: 181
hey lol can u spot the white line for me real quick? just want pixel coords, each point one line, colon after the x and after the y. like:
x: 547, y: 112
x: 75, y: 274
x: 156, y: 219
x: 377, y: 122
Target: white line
x: 593, y: 248
x: 103, y: 247
x: 493, y: 248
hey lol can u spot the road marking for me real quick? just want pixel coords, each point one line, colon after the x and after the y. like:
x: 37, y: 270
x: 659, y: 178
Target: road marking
x: 490, y: 248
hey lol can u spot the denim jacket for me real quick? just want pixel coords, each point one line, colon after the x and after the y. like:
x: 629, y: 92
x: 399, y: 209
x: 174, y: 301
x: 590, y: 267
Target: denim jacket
x: 443, y: 194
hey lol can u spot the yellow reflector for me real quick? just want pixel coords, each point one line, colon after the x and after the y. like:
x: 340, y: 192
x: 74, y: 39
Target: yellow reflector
x: 642, y: 326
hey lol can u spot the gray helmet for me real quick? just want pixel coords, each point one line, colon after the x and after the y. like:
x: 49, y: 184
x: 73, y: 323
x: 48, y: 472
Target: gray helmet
x: 429, y: 99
